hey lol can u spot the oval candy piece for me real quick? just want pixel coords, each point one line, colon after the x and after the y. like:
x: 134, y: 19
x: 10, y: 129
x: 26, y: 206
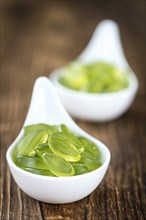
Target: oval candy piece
x: 91, y: 155
x: 64, y: 128
x: 31, y: 162
x: 39, y: 172
x: 39, y: 127
x: 80, y: 168
x: 31, y: 141
x: 65, y: 145
x: 90, y: 146
x: 57, y: 165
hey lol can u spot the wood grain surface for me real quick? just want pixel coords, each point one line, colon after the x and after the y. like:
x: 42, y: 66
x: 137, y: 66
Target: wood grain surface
x: 38, y: 36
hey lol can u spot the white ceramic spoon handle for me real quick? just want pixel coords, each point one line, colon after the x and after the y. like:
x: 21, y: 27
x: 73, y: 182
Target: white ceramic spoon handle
x: 45, y: 106
x: 37, y: 108
x: 105, y: 44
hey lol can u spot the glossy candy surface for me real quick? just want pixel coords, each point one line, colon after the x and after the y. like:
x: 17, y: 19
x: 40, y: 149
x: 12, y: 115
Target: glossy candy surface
x: 53, y: 150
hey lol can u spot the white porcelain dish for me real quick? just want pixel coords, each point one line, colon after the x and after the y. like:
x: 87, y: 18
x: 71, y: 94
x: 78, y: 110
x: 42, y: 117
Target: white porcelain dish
x: 45, y: 107
x: 105, y: 45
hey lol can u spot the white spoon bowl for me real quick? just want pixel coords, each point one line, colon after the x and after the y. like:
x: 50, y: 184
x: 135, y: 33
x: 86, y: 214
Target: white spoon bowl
x: 105, y: 45
x: 45, y: 107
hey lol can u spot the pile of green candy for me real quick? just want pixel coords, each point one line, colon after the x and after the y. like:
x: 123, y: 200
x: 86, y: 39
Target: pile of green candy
x: 53, y: 150
x: 99, y: 77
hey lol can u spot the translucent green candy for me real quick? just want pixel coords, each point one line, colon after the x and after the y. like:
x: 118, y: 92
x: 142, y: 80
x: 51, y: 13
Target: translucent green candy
x: 39, y: 171
x: 41, y: 149
x: 31, y: 140
x: 80, y: 168
x: 65, y: 145
x: 39, y: 127
x: 54, y: 150
x: 57, y: 165
x: 91, y: 155
x: 99, y: 77
x: 64, y: 128
x: 74, y: 76
x: 31, y: 162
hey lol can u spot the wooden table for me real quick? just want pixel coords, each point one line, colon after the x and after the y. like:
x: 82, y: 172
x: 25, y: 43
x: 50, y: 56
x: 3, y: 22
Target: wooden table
x: 38, y: 36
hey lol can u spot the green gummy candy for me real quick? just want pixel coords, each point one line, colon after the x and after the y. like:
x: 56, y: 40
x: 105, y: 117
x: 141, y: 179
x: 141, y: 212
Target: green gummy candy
x: 57, y: 165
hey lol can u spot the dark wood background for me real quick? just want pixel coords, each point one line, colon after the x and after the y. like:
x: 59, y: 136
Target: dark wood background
x: 38, y: 36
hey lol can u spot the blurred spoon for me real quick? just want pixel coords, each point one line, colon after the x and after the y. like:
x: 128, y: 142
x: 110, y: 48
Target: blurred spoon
x: 105, y: 45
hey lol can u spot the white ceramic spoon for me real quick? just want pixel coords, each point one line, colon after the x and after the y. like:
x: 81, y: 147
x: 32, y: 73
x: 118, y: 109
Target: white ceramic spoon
x: 45, y: 107
x: 105, y: 45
